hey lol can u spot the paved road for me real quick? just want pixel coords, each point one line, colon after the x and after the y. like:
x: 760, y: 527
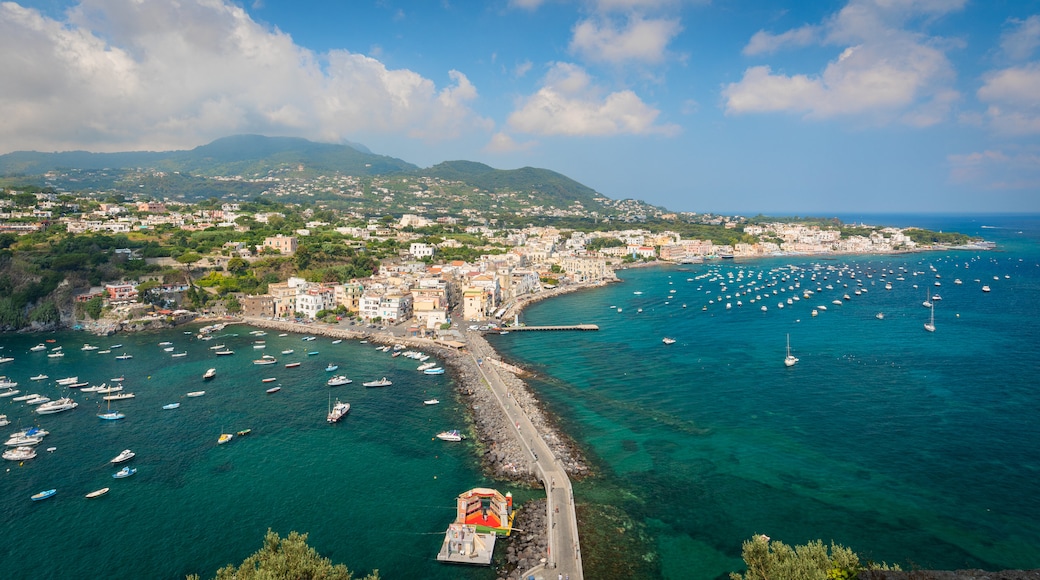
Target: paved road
x: 564, y: 549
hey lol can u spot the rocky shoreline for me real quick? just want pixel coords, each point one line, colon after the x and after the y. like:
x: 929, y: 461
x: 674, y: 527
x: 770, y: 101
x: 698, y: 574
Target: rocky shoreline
x: 528, y: 543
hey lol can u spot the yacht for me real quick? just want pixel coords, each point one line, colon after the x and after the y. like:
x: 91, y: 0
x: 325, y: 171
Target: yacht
x: 62, y: 404
x: 67, y: 381
x: 38, y: 348
x: 453, y: 435
x: 383, y: 382
x: 23, y: 440
x: 125, y: 455
x: 339, y: 410
x: 19, y: 453
x: 339, y: 380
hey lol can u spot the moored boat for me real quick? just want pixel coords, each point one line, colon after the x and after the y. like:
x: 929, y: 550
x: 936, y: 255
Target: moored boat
x: 20, y: 453
x: 209, y: 374
x: 43, y: 494
x: 125, y: 472
x: 265, y: 360
x: 273, y: 390
x: 430, y: 402
x: 667, y: 340
x: 338, y: 380
x: 292, y: 365
x: 269, y: 380
x: 196, y: 393
x: 338, y: 411
x: 453, y: 435
x: 383, y: 382
x: 124, y: 455
x: 57, y: 406
x: 97, y: 493
x: 118, y: 397
x: 224, y: 438
x: 170, y: 406
x: 434, y: 371
x: 331, y: 368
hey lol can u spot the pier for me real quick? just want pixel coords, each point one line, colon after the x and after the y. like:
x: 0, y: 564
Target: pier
x: 585, y: 327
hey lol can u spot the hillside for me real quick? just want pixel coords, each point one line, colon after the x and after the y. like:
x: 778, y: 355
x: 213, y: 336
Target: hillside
x: 552, y: 188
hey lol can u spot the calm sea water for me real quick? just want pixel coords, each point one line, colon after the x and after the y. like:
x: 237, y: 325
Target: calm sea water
x: 910, y: 447
x: 374, y: 491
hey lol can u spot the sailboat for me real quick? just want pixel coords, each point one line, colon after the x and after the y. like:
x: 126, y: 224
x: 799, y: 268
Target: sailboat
x: 930, y: 325
x: 110, y: 415
x: 790, y: 360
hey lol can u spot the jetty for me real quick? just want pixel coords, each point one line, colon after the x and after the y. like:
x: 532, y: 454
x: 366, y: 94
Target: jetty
x: 584, y: 327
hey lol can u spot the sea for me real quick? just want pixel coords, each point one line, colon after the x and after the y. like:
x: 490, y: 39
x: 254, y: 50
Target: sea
x: 910, y: 447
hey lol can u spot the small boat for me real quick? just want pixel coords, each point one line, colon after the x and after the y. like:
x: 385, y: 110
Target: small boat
x: 383, y: 382
x: 171, y: 406
x: 114, y: 346
x: 337, y: 412
x: 118, y: 397
x: 106, y: 351
x: 453, y: 435
x: 312, y: 353
x: 273, y: 390
x: 38, y: 400
x: 880, y: 316
x: 224, y: 438
x: 87, y: 346
x: 331, y: 368
x: 985, y: 288
x: 424, y: 366
x: 97, y: 493
x: 209, y: 374
x: 165, y: 343
x: 243, y: 432
x: 265, y: 360
x: 667, y: 340
x: 196, y: 393
x: 224, y: 352
x: 218, y: 347
x: 338, y: 380
x: 309, y: 338
x: 58, y: 354
x: 179, y: 354
x: 430, y: 402
x: 125, y: 472
x: 434, y: 371
x: 23, y: 440
x: 790, y: 360
x: 168, y: 349
x: 9, y: 393
x: 20, y: 454
x: 43, y: 494
x: 38, y: 348
x: 125, y: 356
x: 111, y: 416
x: 124, y: 455
x: 39, y: 378
x: 269, y: 380
x: 337, y: 341
x: 292, y: 365
x: 117, y: 379
x: 288, y: 351
x: 284, y: 334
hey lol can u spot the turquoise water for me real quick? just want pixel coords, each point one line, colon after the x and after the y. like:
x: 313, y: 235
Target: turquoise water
x: 374, y: 491
x: 909, y: 447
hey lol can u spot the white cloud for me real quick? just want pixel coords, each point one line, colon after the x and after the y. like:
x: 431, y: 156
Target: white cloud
x: 640, y: 40
x: 996, y: 169
x: 1022, y: 39
x: 1011, y: 97
x: 121, y: 74
x: 522, y: 69
x: 570, y: 104
x: 884, y: 72
x: 503, y: 143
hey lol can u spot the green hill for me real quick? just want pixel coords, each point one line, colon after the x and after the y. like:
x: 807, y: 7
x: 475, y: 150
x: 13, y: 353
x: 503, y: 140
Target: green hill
x: 551, y: 188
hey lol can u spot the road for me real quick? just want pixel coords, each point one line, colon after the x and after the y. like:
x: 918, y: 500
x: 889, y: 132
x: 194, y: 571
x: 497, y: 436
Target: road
x: 564, y: 556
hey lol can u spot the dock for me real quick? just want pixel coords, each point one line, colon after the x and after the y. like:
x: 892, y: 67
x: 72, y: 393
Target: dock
x: 463, y: 544
x: 584, y: 327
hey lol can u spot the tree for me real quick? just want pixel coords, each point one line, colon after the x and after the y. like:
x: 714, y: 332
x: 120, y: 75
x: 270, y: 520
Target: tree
x: 233, y: 305
x: 93, y: 307
x: 768, y: 560
x: 289, y: 559
x: 189, y: 257
x: 237, y: 266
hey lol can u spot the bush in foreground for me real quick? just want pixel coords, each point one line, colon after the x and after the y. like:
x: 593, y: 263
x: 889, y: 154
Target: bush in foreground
x: 768, y: 560
x: 286, y: 559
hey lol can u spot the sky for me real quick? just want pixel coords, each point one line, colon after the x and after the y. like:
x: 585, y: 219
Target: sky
x: 728, y: 106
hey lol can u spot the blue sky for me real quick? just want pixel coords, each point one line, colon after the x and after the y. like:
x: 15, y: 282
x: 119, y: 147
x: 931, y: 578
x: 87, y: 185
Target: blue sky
x: 738, y: 106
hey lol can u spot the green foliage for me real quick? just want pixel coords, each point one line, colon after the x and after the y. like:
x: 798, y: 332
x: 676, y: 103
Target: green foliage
x: 46, y: 313
x: 603, y: 242
x: 93, y: 307
x: 928, y: 237
x: 286, y: 559
x: 233, y: 305
x: 769, y: 560
x: 189, y: 257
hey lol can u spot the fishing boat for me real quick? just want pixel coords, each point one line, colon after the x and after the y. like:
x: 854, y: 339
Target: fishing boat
x: 434, y: 371
x: 338, y: 380
x: 383, y: 382
x: 97, y: 493
x: 224, y: 438
x: 430, y: 402
x: 453, y: 435
x: 790, y: 359
x: 930, y: 325
x: 331, y: 368
x: 338, y: 411
x: 196, y: 393
x: 273, y: 390
x: 20, y: 453
x: 125, y: 472
x: 169, y: 406
x: 57, y: 406
x: 209, y: 374
x: 124, y: 455
x: 43, y: 494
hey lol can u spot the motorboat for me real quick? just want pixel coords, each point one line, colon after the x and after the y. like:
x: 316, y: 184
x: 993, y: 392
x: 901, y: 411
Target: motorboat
x: 337, y: 341
x: 21, y: 440
x: 179, y: 354
x: 288, y: 351
x: 57, y: 354
x: 292, y: 365
x: 4, y: 421
x: 312, y: 353
x: 57, y: 406
x: 87, y: 346
x: 20, y: 453
x: 269, y: 380
x: 196, y: 393
x: 111, y: 416
x: 427, y: 365
x: 667, y: 340
x: 24, y: 397
x: 40, y: 377
x: 38, y: 348
x: 169, y: 406
x: 331, y: 368
x: 103, y: 389
x: 434, y: 371
x: 273, y: 390
x: 6, y: 383
x: 338, y: 411
x: 125, y: 356
x: 224, y: 438
x: 265, y: 360
x: 985, y: 288
x: 225, y: 352
x: 218, y: 347
x: 38, y: 400
x: 339, y: 380
x: 125, y: 472
x: 97, y: 493
x: 453, y: 435
x: 118, y: 397
x: 383, y: 382
x: 43, y: 494
x: 124, y: 455
x: 209, y: 374
x: 430, y: 402
x: 9, y: 393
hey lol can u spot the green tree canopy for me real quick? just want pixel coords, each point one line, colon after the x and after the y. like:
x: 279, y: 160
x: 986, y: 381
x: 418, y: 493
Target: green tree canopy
x: 286, y: 559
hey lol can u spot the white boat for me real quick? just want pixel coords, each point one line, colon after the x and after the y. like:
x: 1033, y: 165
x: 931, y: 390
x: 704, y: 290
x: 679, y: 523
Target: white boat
x: 880, y: 316
x: 196, y: 393
x: 338, y: 380
x: 38, y: 400
x: 383, y: 382
x: 790, y: 360
x: 125, y: 356
x: 985, y: 288
x: 224, y: 438
x: 337, y: 412
x: 67, y: 381
x: 57, y: 406
x: 125, y: 472
x: 265, y: 360
x: 434, y: 371
x: 105, y: 390
x: 118, y: 397
x: 9, y: 393
x: 23, y: 440
x: 169, y: 406
x: 430, y: 402
x: 40, y: 377
x: 165, y: 343
x: 930, y: 325
x: 6, y: 383
x: 337, y: 341
x: 20, y: 454
x: 288, y: 351
x: 38, y: 348
x: 224, y: 352
x: 209, y: 374
x: 179, y: 354
x: 25, y: 397
x: 667, y: 340
x: 106, y: 351
x: 97, y: 493
x: 453, y: 435
x: 58, y: 354
x: 88, y: 346
x: 273, y: 390
x: 125, y: 455
x: 218, y: 347
x: 4, y: 421
x: 168, y: 349
x: 424, y: 366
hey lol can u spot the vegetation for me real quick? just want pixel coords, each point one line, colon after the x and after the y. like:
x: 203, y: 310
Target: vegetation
x: 928, y: 237
x: 769, y: 560
x: 286, y: 559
